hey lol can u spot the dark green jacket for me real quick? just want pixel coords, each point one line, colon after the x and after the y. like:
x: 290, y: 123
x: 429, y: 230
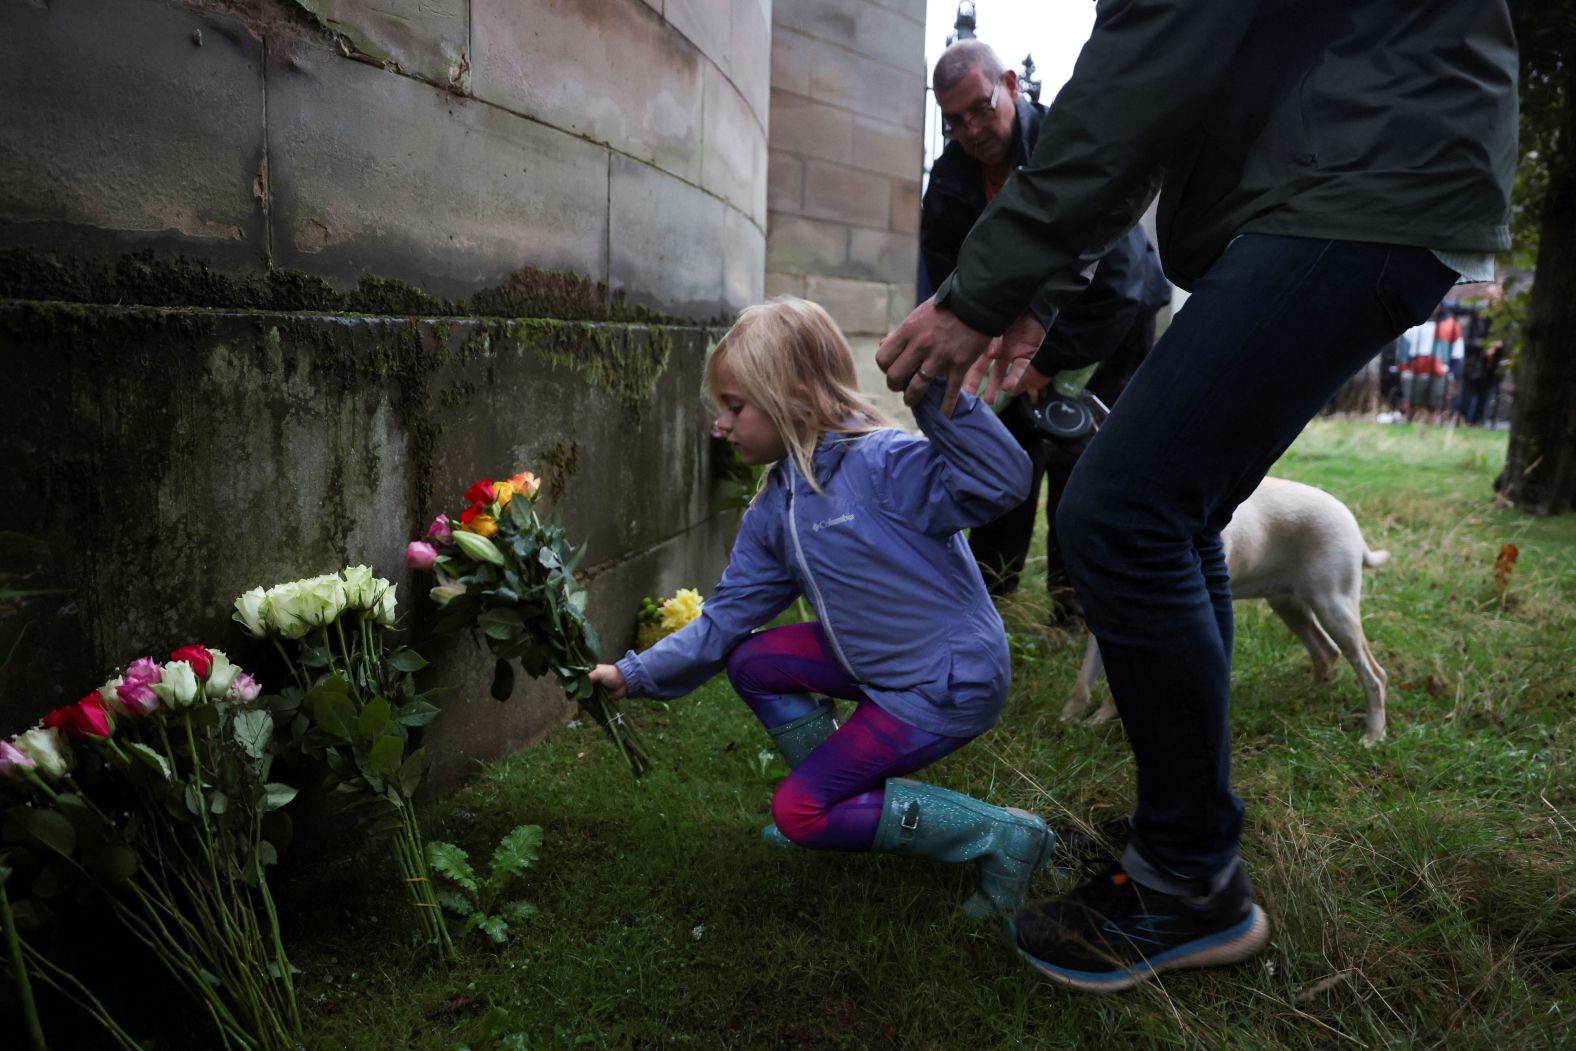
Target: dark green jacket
x: 1390, y: 121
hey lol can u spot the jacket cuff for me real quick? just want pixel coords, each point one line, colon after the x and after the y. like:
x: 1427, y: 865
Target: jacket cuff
x: 952, y: 298
x: 636, y: 682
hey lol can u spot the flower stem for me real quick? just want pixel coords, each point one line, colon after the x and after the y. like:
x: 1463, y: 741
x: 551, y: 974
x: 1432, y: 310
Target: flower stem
x: 295, y: 672
x: 68, y: 985
x: 24, y: 992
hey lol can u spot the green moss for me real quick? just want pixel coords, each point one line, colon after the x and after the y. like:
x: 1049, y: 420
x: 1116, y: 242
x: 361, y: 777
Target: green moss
x: 148, y: 279
x: 625, y: 360
x: 557, y: 465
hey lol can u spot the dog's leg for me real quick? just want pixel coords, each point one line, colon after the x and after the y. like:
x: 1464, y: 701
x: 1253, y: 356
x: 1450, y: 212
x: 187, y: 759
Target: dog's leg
x: 1339, y: 616
x: 1078, y: 703
x: 1301, y: 621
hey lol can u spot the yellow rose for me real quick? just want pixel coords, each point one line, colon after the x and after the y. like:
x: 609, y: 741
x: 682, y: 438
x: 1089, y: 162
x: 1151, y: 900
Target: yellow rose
x: 483, y: 525
x: 683, y: 607
x: 503, y: 492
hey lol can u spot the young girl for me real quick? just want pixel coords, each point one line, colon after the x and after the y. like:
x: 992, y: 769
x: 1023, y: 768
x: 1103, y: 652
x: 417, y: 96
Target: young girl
x: 864, y: 521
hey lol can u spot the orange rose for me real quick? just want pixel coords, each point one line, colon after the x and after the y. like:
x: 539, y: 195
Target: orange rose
x: 483, y: 525
x: 525, y: 483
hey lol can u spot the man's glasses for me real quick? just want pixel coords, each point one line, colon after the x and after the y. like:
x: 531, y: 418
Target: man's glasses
x: 978, y: 113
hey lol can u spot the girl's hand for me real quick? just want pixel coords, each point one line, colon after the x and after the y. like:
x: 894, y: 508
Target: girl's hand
x: 610, y: 679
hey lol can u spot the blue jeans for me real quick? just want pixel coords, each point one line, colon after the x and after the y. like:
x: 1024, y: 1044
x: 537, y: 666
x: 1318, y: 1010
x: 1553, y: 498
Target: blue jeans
x: 1269, y: 334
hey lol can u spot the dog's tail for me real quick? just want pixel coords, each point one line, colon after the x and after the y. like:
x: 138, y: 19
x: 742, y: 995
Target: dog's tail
x: 1374, y: 559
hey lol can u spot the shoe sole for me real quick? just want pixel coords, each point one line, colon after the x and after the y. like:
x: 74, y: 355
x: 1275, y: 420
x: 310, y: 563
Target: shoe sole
x: 1232, y: 945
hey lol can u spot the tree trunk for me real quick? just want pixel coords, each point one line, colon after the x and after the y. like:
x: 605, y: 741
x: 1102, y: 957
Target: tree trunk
x: 1540, y: 464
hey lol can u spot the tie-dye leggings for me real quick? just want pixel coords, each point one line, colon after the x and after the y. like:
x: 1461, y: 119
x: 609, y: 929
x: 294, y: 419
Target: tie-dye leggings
x: 832, y: 801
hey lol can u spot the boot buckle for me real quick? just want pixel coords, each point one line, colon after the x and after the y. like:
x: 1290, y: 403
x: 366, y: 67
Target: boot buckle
x: 910, y: 818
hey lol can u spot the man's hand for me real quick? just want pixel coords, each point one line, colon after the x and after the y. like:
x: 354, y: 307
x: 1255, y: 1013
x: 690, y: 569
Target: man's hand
x: 610, y: 679
x: 1006, y: 367
x: 930, y: 345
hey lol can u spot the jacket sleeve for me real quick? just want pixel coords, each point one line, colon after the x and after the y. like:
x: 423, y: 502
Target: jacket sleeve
x: 1092, y: 326
x: 1137, y: 90
x: 755, y: 587
x: 967, y: 469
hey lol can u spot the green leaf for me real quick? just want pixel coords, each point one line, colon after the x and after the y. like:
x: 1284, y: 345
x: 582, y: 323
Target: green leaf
x: 416, y: 713
x: 549, y: 558
x: 500, y: 623
x: 148, y: 757
x: 218, y: 802
x: 276, y: 795
x: 335, y: 713
x: 449, y: 860
x: 516, y: 852
x: 252, y: 730
x: 492, y: 926
x: 44, y: 828
x: 375, y: 719
x: 386, y: 756
x: 406, y: 659
x: 577, y: 600
x: 520, y: 512
x: 456, y: 902
x: 110, y: 863
x: 412, y: 770
x: 518, y: 911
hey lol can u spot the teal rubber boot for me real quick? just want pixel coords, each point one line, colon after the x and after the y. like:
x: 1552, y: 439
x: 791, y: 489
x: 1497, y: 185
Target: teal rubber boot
x: 924, y: 821
x: 795, y: 740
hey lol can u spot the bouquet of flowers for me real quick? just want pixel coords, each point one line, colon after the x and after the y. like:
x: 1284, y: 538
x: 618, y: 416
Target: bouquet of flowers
x: 354, y: 705
x: 151, y: 796
x: 502, y: 570
x: 658, y: 620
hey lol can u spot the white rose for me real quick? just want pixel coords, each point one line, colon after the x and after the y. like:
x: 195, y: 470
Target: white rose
x: 282, y: 610
x: 386, y: 604
x: 48, y: 749
x: 361, y: 588
x: 177, y: 687
x: 220, y: 675
x: 111, y: 697
x: 322, y: 600
x: 249, y: 613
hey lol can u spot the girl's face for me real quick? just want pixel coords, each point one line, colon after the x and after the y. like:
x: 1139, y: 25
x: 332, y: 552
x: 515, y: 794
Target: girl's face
x: 745, y: 426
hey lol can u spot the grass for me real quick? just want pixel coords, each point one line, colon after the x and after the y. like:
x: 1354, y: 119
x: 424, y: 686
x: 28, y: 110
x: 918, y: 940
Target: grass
x: 1423, y: 892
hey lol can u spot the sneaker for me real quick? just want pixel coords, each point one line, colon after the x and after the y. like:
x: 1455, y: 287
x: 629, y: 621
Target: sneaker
x: 1112, y: 933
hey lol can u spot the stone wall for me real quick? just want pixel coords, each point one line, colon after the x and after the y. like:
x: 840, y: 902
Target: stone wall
x: 260, y: 276
x: 847, y: 128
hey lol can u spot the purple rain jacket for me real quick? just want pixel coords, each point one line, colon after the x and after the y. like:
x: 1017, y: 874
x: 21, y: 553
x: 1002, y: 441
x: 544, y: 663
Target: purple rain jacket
x: 880, y: 556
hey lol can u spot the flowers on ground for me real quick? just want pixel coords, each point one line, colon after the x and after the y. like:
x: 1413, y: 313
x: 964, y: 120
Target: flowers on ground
x: 151, y: 797
x: 657, y: 620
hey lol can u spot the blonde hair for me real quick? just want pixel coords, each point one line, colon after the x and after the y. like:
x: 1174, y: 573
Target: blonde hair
x: 791, y: 362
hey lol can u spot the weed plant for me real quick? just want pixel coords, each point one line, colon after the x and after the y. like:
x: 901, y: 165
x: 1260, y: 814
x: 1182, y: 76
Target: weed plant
x: 1422, y: 892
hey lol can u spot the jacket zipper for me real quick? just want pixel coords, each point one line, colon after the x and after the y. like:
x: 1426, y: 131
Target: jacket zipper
x: 804, y: 567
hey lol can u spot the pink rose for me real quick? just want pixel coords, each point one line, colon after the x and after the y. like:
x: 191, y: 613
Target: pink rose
x: 137, y: 697
x: 13, y: 759
x: 144, y: 669
x: 439, y: 531
x: 420, y: 555
x: 244, y: 688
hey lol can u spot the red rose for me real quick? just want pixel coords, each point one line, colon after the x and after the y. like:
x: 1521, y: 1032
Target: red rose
x: 481, y: 492
x: 467, y: 515
x: 85, y: 718
x: 200, y: 659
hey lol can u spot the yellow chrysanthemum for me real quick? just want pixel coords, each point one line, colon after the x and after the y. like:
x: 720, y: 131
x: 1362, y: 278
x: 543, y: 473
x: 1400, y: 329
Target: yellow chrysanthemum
x: 683, y: 607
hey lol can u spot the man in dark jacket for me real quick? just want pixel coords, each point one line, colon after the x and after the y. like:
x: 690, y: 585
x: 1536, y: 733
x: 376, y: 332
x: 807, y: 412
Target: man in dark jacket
x: 1327, y: 172
x: 994, y: 130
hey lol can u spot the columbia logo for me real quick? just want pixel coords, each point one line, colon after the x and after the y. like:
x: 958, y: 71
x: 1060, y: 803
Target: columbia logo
x: 827, y: 522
